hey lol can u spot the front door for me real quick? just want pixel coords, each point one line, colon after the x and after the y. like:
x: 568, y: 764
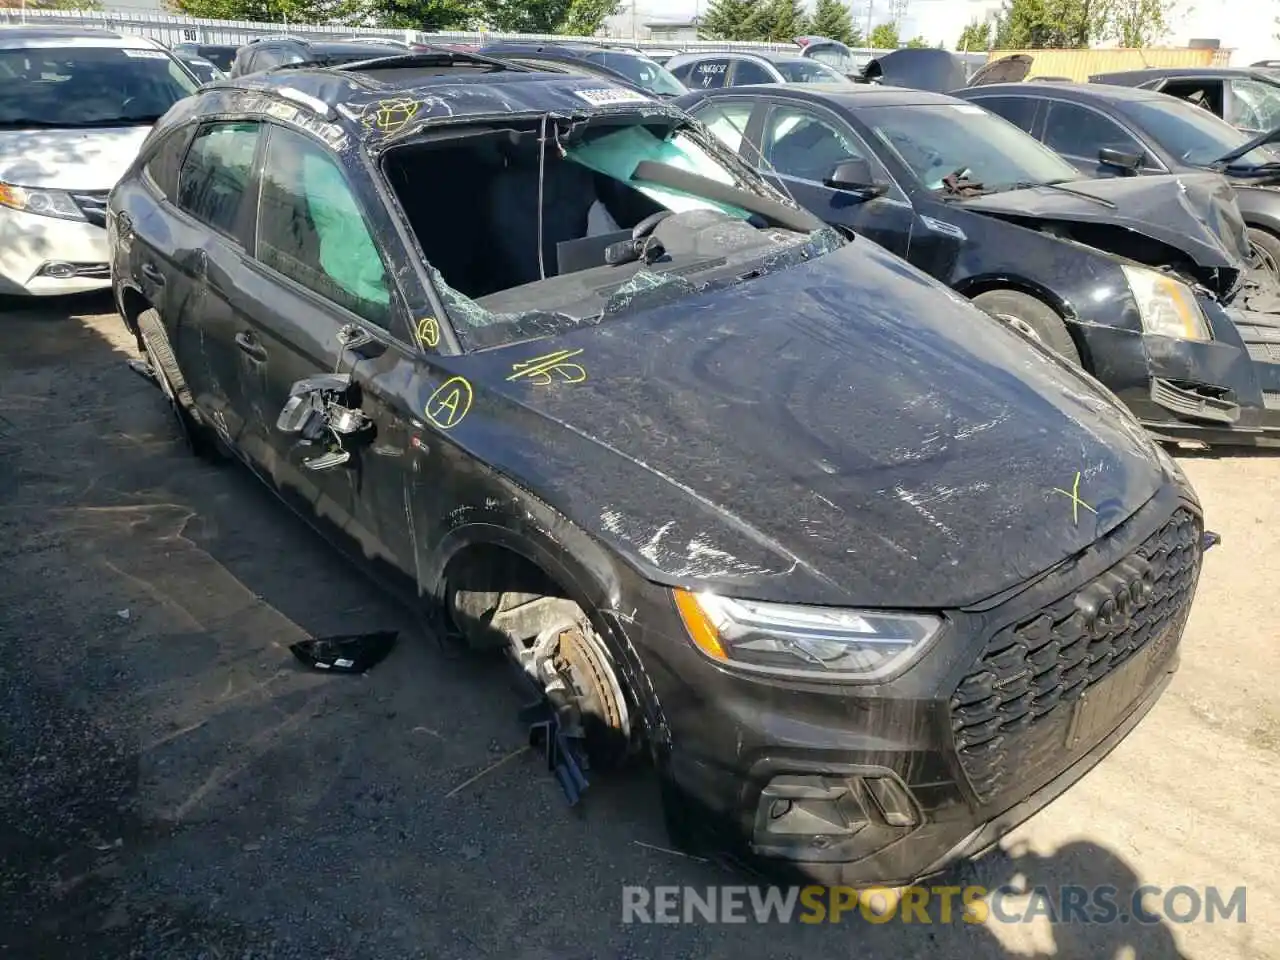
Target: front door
x: 327, y: 305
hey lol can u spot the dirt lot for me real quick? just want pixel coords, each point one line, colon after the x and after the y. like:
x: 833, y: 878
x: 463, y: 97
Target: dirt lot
x: 172, y: 784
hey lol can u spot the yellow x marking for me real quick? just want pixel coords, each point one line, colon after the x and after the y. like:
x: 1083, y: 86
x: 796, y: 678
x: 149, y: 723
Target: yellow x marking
x: 1076, y: 502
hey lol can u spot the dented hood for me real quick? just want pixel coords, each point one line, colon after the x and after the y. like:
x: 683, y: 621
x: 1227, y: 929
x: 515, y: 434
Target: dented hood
x: 919, y: 69
x: 847, y: 431
x: 1195, y: 213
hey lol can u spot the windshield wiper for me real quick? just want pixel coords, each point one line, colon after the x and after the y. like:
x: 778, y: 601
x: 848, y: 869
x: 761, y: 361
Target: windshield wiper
x: 775, y: 212
x: 1059, y: 185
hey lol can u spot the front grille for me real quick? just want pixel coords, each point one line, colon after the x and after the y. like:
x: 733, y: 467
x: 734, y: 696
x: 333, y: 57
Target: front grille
x: 1011, y: 716
x: 93, y: 204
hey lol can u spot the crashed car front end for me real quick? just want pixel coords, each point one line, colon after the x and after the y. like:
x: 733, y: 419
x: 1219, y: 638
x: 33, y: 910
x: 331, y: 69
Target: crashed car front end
x: 1187, y: 332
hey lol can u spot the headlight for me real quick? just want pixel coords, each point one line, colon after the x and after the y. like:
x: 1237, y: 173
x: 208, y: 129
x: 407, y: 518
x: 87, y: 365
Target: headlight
x: 786, y: 639
x: 44, y: 203
x: 1167, y: 306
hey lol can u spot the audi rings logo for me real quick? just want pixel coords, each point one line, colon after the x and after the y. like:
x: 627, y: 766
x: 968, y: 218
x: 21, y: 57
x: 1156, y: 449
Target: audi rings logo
x: 1108, y: 603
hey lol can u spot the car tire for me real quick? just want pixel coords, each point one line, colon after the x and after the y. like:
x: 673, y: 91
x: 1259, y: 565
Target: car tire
x: 200, y: 440
x: 1266, y: 250
x: 1030, y: 317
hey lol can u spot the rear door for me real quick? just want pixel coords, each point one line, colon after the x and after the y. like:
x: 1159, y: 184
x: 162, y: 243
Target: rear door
x: 323, y: 284
x: 800, y: 145
x: 208, y: 240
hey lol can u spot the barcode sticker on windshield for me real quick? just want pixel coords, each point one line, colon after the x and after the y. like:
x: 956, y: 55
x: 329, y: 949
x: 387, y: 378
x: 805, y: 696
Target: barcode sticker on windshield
x: 967, y: 108
x: 147, y: 54
x: 606, y: 96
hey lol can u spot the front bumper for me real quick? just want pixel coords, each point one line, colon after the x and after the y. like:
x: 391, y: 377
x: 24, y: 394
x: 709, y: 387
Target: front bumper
x: 888, y: 783
x: 1222, y: 391
x: 46, y: 256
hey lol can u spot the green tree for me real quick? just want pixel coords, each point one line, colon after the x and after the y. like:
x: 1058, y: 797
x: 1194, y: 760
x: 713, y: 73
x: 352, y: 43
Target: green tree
x: 524, y: 16
x: 1045, y: 24
x: 585, y: 17
x: 831, y: 18
x: 1131, y: 23
x: 975, y: 36
x: 425, y: 15
x: 727, y: 20
x: 778, y: 20
x: 917, y: 43
x: 884, y: 37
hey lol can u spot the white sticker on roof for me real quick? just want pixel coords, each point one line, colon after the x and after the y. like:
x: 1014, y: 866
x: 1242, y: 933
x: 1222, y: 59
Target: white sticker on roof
x: 967, y: 108
x: 609, y: 95
x: 146, y: 54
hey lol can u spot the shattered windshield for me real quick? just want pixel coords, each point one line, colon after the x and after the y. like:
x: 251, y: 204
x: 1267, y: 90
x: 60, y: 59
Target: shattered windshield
x: 617, y: 213
x: 1255, y: 105
x: 962, y: 140
x: 1193, y: 134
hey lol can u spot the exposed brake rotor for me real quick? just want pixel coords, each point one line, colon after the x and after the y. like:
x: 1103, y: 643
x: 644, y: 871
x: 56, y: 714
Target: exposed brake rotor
x: 580, y: 719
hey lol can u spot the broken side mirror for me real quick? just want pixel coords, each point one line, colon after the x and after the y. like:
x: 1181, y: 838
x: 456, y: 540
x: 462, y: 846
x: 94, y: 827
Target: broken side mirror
x: 1130, y: 163
x: 855, y: 176
x: 317, y: 412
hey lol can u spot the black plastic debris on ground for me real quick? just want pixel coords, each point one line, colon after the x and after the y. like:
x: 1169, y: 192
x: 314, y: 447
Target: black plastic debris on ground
x: 348, y: 653
x: 1210, y: 540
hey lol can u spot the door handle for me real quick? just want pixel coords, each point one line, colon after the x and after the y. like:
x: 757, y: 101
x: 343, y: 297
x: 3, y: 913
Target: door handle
x: 249, y: 345
x: 152, y: 273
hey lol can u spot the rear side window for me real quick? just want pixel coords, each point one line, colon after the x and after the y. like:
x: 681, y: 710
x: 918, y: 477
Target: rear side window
x: 748, y: 71
x: 708, y: 74
x: 727, y: 120
x: 311, y: 229
x: 1020, y: 111
x: 216, y: 173
x: 165, y: 161
x: 1080, y: 132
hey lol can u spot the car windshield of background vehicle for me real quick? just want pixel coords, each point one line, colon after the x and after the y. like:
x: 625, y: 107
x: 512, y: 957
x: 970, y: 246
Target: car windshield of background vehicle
x: 938, y: 140
x: 809, y: 71
x: 837, y: 60
x: 88, y: 86
x: 643, y: 72
x: 1193, y: 134
x: 1255, y: 105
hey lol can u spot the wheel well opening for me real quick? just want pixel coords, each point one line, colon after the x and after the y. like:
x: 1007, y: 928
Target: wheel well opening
x: 497, y: 599
x: 132, y: 303
x: 979, y: 287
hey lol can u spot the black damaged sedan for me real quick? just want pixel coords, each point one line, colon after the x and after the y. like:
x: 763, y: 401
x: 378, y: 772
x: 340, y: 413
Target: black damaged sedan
x: 867, y: 575
x: 1139, y: 281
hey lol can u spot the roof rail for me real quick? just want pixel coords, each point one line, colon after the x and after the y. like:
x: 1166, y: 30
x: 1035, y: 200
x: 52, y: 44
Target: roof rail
x: 436, y: 56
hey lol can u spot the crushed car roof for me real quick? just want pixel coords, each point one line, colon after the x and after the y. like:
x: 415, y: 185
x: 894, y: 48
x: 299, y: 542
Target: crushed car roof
x: 1152, y: 73
x: 391, y: 97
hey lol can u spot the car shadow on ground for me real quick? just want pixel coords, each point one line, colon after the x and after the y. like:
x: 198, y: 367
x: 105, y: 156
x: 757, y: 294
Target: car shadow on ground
x: 177, y: 785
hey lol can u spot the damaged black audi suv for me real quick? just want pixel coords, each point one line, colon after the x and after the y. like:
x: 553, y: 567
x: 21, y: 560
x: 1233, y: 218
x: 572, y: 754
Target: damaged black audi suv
x: 868, y: 576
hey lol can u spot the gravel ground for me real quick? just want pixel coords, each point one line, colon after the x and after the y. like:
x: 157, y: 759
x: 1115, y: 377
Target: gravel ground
x: 173, y: 785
